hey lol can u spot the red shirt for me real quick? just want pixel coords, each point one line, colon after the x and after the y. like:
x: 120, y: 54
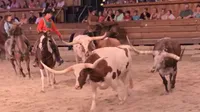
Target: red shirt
x: 42, y: 27
x: 127, y: 18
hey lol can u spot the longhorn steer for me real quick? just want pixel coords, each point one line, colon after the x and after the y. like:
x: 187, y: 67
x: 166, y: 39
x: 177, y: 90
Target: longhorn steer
x: 166, y: 54
x: 112, y: 71
x: 83, y: 45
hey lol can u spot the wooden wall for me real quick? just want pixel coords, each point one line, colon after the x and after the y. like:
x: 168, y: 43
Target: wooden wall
x: 175, y: 6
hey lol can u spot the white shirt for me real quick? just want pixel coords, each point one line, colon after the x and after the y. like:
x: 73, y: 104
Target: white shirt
x: 60, y: 4
x: 37, y: 20
x: 171, y: 17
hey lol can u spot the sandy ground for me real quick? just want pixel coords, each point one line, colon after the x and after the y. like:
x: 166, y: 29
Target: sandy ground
x: 19, y: 94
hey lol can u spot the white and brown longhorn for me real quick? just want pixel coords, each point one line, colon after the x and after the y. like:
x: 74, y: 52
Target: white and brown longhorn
x: 112, y: 71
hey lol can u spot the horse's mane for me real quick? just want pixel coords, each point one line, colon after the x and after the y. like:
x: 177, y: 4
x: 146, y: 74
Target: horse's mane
x: 15, y: 30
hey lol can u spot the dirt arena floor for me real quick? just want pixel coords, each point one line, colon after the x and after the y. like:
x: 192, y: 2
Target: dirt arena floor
x: 19, y: 94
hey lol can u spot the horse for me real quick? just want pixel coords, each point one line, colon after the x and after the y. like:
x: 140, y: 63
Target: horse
x: 45, y: 54
x: 21, y: 50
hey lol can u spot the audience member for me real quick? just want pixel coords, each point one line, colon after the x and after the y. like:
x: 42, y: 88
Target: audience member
x: 8, y: 6
x: 60, y: 3
x: 155, y: 14
x: 37, y: 4
x: 197, y: 13
x: 135, y: 15
x: 101, y: 17
x: 163, y: 14
x: 53, y: 4
x: 119, y: 16
x: 170, y: 16
x: 110, y: 16
x: 25, y: 4
x: 145, y: 15
x: 32, y: 4
x: 38, y: 18
x: 127, y: 16
x: 15, y: 5
x: 43, y: 5
x: 32, y: 18
x: 16, y: 19
x: 3, y: 5
x: 24, y: 19
x: 186, y: 13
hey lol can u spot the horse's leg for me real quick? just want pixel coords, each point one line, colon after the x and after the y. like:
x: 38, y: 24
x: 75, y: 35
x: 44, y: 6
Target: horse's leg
x: 28, y: 66
x: 42, y: 79
x: 54, y: 79
x: 20, y: 67
x: 48, y: 76
x: 13, y: 65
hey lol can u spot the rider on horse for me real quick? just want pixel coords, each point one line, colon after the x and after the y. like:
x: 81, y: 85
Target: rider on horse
x: 8, y: 24
x: 44, y: 25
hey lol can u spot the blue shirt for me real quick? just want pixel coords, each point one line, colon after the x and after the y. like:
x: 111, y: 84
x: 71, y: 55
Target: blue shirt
x: 136, y: 17
x: 8, y: 26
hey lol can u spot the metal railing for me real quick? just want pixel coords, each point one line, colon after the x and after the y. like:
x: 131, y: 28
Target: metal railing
x: 82, y: 13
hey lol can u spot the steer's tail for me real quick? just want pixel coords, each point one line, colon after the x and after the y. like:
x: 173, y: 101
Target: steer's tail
x: 71, y: 38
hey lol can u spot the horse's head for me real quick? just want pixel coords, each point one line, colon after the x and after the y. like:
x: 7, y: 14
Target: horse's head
x: 45, y: 42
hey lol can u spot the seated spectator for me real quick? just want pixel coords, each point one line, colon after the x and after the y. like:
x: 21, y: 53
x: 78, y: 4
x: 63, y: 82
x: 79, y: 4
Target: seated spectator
x: 32, y: 4
x: 110, y: 16
x: 32, y: 18
x: 155, y: 14
x: 127, y: 16
x: 135, y: 15
x: 163, y: 14
x: 197, y: 13
x: 15, y: 18
x: 43, y: 5
x: 3, y: 5
x: 186, y: 14
x: 170, y: 16
x: 145, y: 15
x: 38, y: 18
x: 119, y: 16
x: 8, y: 6
x: 25, y: 4
x: 15, y: 5
x: 101, y: 17
x: 38, y: 5
x: 24, y: 19
x: 61, y: 3
x: 53, y: 4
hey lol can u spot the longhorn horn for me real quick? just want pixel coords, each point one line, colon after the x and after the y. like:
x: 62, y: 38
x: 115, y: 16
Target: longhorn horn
x: 99, y: 37
x: 56, y: 71
x: 71, y: 68
x: 136, y: 50
x: 70, y: 43
x: 170, y: 55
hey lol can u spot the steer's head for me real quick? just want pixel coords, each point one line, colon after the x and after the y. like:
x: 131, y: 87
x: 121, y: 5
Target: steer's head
x: 160, y: 58
x: 86, y: 42
x: 80, y: 70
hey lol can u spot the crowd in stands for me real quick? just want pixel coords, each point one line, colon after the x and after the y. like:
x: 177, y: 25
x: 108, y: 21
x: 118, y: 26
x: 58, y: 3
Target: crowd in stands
x: 14, y: 4
x: 133, y: 1
x: 153, y: 14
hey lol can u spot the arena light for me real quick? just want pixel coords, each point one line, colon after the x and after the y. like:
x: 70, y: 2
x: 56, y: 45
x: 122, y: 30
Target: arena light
x: 104, y: 0
x: 101, y: 4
